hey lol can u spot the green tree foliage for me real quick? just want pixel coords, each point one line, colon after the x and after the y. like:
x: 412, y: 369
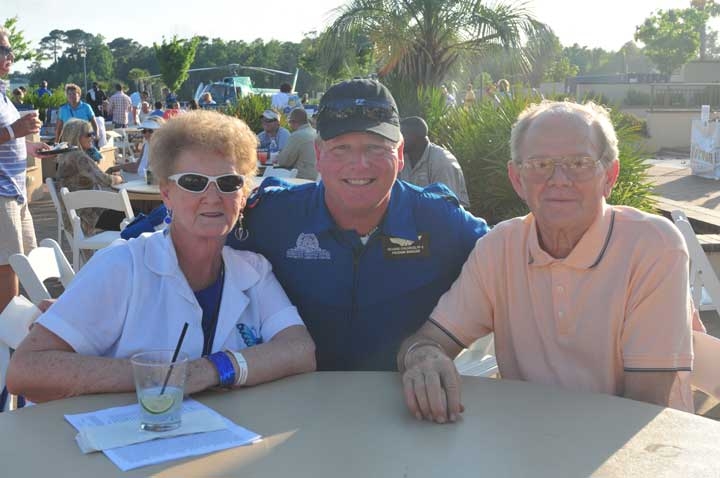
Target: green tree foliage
x: 671, y: 37
x: 53, y: 44
x: 423, y: 39
x: 175, y: 58
x: 708, y: 38
x: 21, y: 47
x: 480, y: 139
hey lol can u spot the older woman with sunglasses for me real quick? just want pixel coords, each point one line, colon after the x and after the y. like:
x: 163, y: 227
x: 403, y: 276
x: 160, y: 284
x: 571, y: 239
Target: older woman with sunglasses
x: 78, y: 169
x: 242, y: 331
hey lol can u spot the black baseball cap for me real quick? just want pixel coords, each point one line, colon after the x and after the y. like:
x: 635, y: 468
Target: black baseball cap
x: 358, y: 105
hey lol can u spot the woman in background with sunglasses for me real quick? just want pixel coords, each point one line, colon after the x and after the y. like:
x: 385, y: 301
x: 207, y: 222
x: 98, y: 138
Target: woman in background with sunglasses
x: 136, y: 295
x: 78, y: 169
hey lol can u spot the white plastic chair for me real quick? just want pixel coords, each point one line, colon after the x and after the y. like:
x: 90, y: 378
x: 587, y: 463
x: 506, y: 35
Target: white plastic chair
x: 15, y: 323
x: 478, y: 359
x: 706, y: 364
x: 117, y: 201
x: 703, y: 280
x: 280, y: 172
x: 58, y: 209
x: 44, y: 262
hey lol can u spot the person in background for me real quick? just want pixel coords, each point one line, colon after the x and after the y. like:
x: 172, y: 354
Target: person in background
x: 193, y: 105
x: 305, y: 99
x: 120, y: 106
x: 17, y: 232
x: 148, y: 127
x: 74, y: 108
x: 43, y: 90
x: 449, y: 98
x: 272, y: 130
x: 206, y: 99
x: 158, y: 111
x: 580, y: 294
x: 279, y: 100
x: 383, y: 250
x: 243, y: 329
x: 95, y: 98
x: 169, y: 96
x: 18, y: 97
x: 470, y: 97
x: 173, y: 111
x: 78, y: 170
x: 300, y: 149
x: 503, y: 89
x: 144, y: 112
x: 427, y: 163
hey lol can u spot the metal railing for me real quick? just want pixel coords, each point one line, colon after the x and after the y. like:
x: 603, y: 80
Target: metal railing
x: 684, y: 96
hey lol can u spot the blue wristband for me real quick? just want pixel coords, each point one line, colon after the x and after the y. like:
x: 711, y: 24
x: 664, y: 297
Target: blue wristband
x: 224, y: 367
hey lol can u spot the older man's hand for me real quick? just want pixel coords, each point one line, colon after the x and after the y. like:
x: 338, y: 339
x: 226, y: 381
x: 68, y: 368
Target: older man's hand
x: 28, y: 124
x: 431, y: 385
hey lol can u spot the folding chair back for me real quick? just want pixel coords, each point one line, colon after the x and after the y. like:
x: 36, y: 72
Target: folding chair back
x: 58, y: 209
x: 703, y: 280
x: 44, y: 262
x: 117, y: 201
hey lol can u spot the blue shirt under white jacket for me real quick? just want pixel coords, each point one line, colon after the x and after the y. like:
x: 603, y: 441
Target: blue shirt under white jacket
x: 360, y: 302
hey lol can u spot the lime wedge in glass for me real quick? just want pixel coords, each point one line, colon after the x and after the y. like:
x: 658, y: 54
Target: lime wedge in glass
x: 157, y: 404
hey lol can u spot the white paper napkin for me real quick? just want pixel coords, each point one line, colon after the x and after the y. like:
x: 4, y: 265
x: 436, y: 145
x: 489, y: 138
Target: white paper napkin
x: 15, y: 320
x: 103, y: 437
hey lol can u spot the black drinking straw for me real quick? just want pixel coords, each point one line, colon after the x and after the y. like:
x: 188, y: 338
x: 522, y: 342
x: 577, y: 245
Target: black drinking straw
x: 177, y: 351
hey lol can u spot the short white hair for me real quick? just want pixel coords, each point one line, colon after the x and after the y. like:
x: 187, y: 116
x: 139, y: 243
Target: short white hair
x: 590, y: 113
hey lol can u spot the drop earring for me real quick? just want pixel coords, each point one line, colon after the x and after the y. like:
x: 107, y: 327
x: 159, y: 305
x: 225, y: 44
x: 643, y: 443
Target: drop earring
x: 168, y: 217
x: 240, y: 232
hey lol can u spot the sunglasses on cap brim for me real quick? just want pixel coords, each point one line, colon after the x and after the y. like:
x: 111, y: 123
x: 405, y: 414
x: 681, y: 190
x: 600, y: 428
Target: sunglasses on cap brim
x: 198, y: 182
x: 380, y: 111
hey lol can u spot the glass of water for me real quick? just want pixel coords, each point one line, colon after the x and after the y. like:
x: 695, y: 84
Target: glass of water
x: 160, y: 385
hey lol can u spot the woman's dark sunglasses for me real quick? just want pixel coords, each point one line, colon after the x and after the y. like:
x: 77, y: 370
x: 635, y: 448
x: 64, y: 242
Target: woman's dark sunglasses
x: 198, y: 183
x: 91, y: 134
x: 146, y: 130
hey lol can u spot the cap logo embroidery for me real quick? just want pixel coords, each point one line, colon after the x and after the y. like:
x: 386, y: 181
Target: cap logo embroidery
x: 307, y: 246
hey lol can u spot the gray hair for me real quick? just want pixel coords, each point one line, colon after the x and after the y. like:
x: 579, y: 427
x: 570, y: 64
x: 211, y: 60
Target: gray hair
x: 591, y: 113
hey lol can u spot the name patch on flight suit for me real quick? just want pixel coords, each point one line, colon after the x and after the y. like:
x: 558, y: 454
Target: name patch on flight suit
x: 397, y: 248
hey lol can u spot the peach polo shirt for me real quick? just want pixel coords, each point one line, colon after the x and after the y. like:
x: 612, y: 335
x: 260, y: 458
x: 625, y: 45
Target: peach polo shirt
x: 619, y: 302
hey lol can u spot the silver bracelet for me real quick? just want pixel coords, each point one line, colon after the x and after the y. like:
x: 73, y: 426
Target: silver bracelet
x: 10, y: 132
x: 417, y: 344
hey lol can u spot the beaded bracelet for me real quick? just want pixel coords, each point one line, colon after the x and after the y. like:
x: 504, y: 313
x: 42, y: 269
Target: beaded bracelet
x: 224, y: 367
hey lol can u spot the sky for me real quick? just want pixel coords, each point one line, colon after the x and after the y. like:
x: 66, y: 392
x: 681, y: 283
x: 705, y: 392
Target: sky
x: 600, y: 23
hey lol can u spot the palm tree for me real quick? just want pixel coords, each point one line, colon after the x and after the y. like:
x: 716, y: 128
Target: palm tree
x: 421, y: 40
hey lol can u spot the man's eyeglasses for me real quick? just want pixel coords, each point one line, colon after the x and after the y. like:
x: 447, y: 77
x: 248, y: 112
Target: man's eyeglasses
x: 265, y: 120
x: 5, y: 50
x: 360, y: 108
x: 576, y: 168
x: 198, y: 183
x: 146, y: 130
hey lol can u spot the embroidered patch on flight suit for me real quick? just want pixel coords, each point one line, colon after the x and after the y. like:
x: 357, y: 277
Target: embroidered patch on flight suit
x: 248, y: 335
x: 396, y: 247
x: 307, y: 246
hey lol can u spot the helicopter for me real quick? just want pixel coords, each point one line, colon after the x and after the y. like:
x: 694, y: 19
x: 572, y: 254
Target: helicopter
x: 230, y: 88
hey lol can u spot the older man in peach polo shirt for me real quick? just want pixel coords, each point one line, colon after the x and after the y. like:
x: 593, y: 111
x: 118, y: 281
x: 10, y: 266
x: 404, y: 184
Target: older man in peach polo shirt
x: 579, y: 294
